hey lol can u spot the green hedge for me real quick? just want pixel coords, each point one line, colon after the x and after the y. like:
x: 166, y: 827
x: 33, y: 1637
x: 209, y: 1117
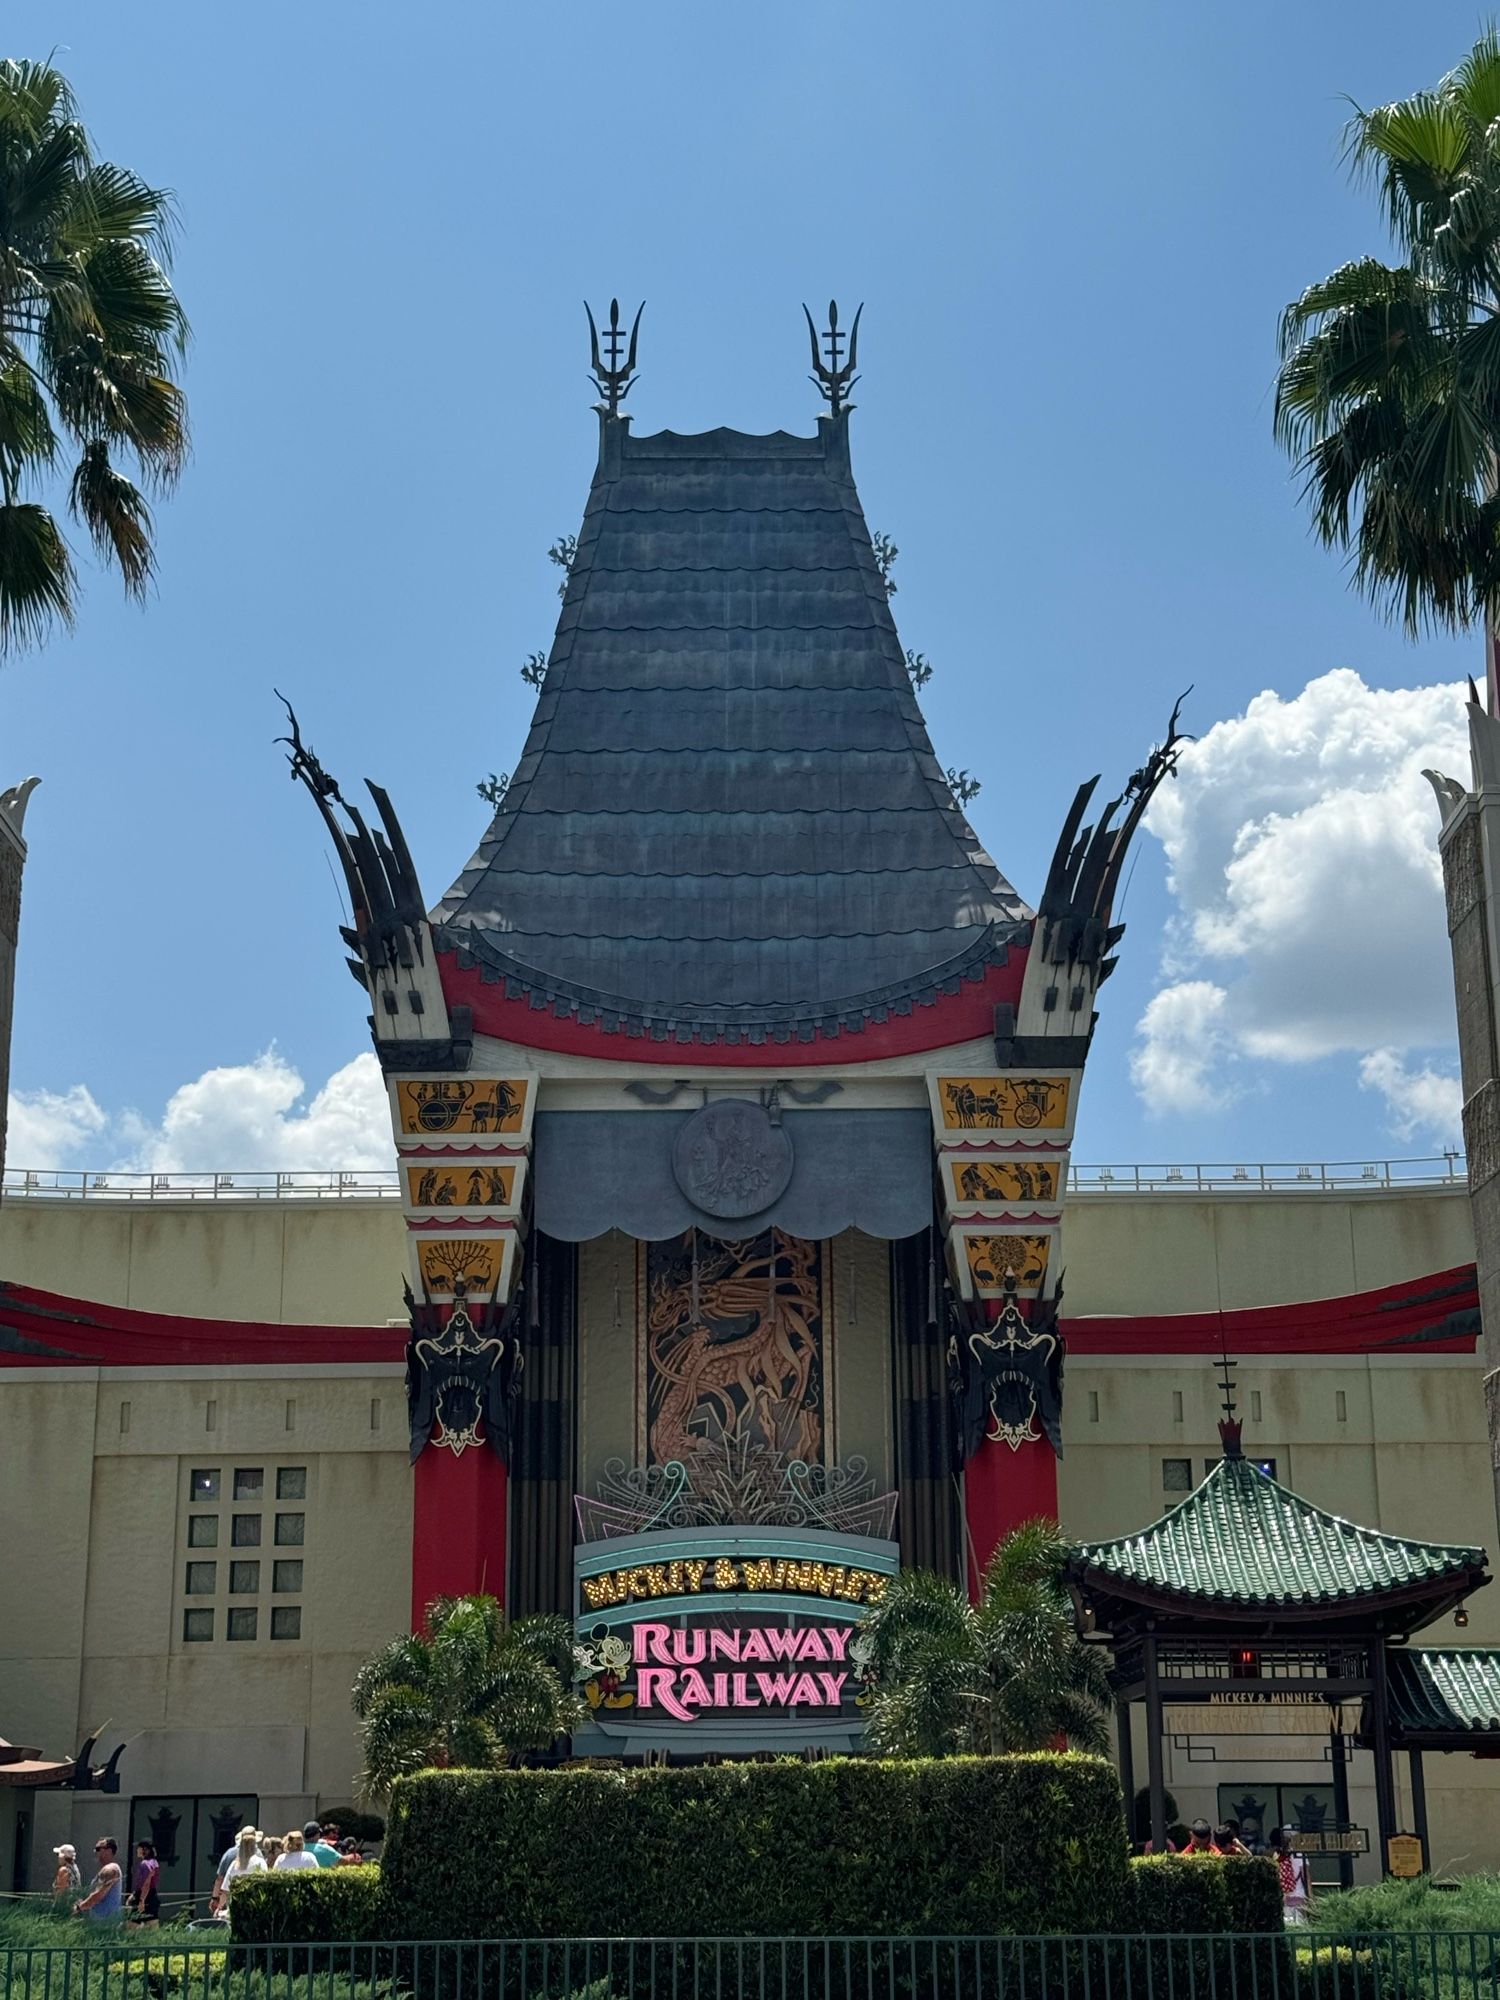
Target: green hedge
x: 296, y: 1906
x: 1182, y: 1894
x: 965, y: 1845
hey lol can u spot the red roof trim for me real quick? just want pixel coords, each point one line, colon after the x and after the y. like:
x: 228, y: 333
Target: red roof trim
x: 45, y: 1329
x: 931, y: 1024
x: 1434, y: 1315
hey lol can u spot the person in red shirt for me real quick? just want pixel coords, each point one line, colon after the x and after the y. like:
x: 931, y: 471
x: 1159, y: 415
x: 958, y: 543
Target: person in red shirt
x: 1200, y: 1838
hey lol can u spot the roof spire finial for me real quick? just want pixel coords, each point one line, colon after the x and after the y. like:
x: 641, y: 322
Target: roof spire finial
x: 834, y: 377
x: 613, y: 382
x: 1230, y: 1426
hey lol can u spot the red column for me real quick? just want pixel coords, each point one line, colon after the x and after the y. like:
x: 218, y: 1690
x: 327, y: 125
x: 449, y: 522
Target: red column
x: 457, y: 1526
x: 1003, y: 1488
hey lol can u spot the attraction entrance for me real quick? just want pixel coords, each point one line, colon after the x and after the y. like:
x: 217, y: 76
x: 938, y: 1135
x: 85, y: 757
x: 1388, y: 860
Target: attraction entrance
x: 1249, y: 1611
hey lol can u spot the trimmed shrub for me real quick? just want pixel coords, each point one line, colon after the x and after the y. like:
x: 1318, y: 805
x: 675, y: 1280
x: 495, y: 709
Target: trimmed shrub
x: 1252, y: 1884
x: 1180, y: 1893
x: 297, y: 1906
x: 1336, y: 1972
x: 366, y: 1827
x: 963, y: 1845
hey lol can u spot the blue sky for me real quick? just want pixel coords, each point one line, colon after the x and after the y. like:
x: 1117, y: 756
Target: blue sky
x: 1073, y: 231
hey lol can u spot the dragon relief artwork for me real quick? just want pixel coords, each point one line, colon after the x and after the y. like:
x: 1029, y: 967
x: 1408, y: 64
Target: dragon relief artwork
x: 734, y: 1349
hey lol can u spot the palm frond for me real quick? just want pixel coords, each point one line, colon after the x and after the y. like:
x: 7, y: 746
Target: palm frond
x: 115, y: 514
x: 36, y: 576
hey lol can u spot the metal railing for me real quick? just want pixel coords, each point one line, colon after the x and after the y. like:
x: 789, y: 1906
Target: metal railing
x: 382, y: 1183
x: 1277, y: 1177
x: 1301, y: 1965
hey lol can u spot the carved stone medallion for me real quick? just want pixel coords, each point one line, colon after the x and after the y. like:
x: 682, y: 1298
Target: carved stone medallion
x: 730, y: 1160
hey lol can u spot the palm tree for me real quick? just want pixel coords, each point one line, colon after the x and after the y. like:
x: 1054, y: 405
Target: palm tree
x: 90, y: 333
x: 470, y: 1690
x: 1009, y: 1673
x: 1388, y: 395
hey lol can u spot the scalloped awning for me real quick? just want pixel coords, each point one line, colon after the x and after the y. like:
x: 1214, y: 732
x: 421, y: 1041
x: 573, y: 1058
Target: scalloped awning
x: 601, y: 1170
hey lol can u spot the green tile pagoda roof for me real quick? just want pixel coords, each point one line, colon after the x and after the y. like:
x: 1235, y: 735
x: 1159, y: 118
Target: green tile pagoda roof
x: 1445, y: 1693
x: 1242, y: 1539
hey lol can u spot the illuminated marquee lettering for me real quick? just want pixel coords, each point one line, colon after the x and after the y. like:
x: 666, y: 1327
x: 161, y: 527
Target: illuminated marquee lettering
x: 724, y: 1574
x: 675, y: 1685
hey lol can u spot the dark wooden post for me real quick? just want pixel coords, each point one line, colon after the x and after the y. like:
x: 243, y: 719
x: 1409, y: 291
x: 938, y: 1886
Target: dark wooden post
x: 1419, y: 1804
x: 1385, y: 1777
x: 1338, y: 1752
x: 1126, y: 1749
x: 1154, y: 1775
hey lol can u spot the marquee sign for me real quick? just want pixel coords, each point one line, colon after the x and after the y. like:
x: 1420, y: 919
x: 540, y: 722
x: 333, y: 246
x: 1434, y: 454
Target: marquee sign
x: 707, y: 1639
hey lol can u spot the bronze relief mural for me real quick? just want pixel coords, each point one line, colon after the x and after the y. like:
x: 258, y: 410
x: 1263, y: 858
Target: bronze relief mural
x: 733, y: 1348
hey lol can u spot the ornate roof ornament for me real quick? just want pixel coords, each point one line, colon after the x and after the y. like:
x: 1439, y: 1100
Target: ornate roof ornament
x: 613, y: 381
x: 835, y: 376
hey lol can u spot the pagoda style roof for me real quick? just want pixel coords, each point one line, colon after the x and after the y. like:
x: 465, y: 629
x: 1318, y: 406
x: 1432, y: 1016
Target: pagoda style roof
x: 1448, y: 1692
x: 728, y: 818
x: 1243, y: 1545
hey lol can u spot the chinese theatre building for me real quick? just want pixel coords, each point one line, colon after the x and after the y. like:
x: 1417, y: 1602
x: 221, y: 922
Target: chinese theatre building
x: 733, y: 1089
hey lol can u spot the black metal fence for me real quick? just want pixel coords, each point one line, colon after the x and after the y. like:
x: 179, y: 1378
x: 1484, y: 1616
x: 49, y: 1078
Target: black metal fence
x: 1302, y: 1965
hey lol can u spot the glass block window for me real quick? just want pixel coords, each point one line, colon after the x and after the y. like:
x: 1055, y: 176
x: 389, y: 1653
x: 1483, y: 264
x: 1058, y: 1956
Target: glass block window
x: 244, y: 1579
x: 203, y: 1531
x: 1177, y: 1475
x: 197, y: 1626
x: 203, y: 1484
x: 286, y: 1577
x: 242, y: 1621
x: 202, y: 1579
x: 246, y: 1531
x: 286, y: 1621
x: 249, y: 1482
x: 291, y: 1482
x: 289, y: 1530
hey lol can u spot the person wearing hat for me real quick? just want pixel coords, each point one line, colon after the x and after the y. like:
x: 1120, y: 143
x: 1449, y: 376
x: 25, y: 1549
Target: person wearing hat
x: 246, y: 1860
x: 107, y: 1890
x: 67, y: 1881
x: 1201, y: 1839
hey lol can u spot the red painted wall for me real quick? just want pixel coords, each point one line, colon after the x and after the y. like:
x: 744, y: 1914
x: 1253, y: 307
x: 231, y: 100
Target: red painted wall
x: 457, y: 1526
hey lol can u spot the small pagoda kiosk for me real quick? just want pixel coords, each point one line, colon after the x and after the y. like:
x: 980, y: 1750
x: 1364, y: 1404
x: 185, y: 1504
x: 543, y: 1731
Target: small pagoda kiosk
x: 733, y: 1087
x: 1246, y: 1598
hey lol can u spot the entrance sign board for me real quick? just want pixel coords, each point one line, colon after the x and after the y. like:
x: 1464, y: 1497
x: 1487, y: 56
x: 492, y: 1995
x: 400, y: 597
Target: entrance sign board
x: 725, y: 1639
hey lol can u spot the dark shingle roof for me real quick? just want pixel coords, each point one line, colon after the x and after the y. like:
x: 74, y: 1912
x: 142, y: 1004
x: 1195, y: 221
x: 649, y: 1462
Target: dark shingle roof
x: 728, y: 811
x: 1243, y: 1539
x: 1450, y: 1692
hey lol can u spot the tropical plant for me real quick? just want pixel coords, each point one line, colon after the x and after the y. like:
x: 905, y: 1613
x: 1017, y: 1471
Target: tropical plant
x: 1388, y: 395
x: 90, y: 335
x: 1008, y: 1673
x: 470, y: 1690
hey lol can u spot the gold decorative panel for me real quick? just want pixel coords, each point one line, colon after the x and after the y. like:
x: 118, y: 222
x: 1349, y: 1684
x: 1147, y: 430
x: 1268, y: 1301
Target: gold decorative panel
x: 1004, y: 1183
x: 471, y: 1184
x: 990, y: 1257
x: 469, y: 1106
x: 1003, y: 1103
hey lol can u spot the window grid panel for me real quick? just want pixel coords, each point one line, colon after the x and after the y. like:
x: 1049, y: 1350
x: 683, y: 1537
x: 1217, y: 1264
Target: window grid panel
x: 242, y: 1621
x: 249, y: 1482
x: 246, y: 1533
x: 203, y: 1484
x: 286, y: 1577
x: 197, y: 1626
x: 286, y: 1621
x: 291, y: 1482
x: 202, y: 1579
x: 290, y: 1530
x: 244, y: 1579
x: 203, y: 1531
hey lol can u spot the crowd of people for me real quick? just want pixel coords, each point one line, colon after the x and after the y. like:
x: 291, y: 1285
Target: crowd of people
x: 1228, y: 1839
x: 110, y: 1900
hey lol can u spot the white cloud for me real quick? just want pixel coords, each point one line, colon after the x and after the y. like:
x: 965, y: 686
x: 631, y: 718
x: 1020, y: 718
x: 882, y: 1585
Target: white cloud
x: 1302, y: 851
x: 48, y: 1128
x: 1180, y: 1061
x: 242, y: 1117
x: 1423, y: 1103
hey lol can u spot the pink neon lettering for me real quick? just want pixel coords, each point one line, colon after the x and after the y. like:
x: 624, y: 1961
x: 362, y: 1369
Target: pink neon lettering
x: 688, y: 1647
x: 783, y: 1643
x: 833, y: 1688
x: 695, y: 1689
x: 742, y: 1692
x: 776, y: 1689
x: 838, y: 1638
x: 805, y: 1691
x: 652, y: 1642
x: 753, y: 1645
x: 812, y: 1647
x: 655, y: 1684
x: 723, y: 1645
